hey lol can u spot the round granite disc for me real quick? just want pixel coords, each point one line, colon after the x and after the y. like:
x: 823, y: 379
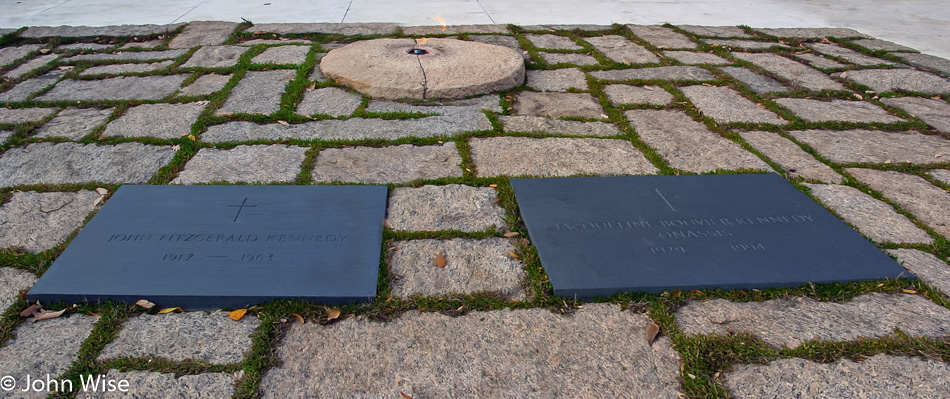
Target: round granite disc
x: 383, y: 68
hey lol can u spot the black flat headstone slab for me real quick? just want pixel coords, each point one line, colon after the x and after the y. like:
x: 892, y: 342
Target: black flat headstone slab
x: 205, y: 247
x: 599, y: 236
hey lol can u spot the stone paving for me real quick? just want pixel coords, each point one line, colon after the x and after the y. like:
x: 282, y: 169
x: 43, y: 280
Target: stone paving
x: 860, y: 124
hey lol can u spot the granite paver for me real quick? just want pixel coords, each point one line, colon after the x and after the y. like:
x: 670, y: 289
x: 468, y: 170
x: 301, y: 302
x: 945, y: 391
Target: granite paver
x: 259, y: 92
x: 64, y: 163
x: 795, y: 72
x: 281, y: 41
x: 556, y: 156
x: 208, y: 337
x: 790, y: 157
x: 332, y: 101
x: 933, y: 112
x: 926, y: 266
x: 688, y: 145
x: 74, y: 123
x: 522, y: 123
x: 9, y: 55
x: 914, y: 194
x: 215, y: 57
x: 118, y: 88
x: 30, y: 66
x: 893, y: 80
x: 837, y: 110
x: 659, y: 73
x: 873, y: 218
x: 558, y: 104
x: 553, y: 42
x: 247, y: 164
x: 147, y: 45
x: 725, y: 105
x: 875, y: 146
x: 811, y: 33
x: 396, y: 164
x: 453, y: 29
x: 147, y: 384
x: 715, y: 31
x: 24, y: 115
x: 90, y: 31
x: 204, y: 85
x: 12, y: 281
x: 819, y: 61
x: 85, y: 46
x: 849, y: 55
x: 468, y: 107
x: 449, y: 207
x: 24, y: 89
x: 164, y: 121
x: 471, y: 266
x: 36, y: 222
x: 282, y: 55
x: 557, y: 79
x: 500, y: 40
x: 758, y: 83
x: 626, y: 94
x: 115, y: 69
x: 927, y: 61
x: 619, y: 49
x: 745, y: 44
x: 203, y: 33
x: 347, y: 29
x: 127, y: 56
x: 42, y: 348
x: 942, y: 175
x: 4, y: 136
x: 693, y: 58
x: 878, y: 44
x: 568, y: 58
x: 661, y: 36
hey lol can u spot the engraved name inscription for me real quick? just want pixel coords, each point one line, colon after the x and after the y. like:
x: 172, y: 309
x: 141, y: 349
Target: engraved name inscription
x: 270, y: 238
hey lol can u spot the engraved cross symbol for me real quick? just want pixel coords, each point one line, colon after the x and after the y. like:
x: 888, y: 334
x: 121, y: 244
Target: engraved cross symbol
x: 241, y: 208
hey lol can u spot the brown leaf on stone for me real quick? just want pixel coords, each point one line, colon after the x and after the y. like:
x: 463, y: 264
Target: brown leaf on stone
x: 170, y: 310
x: 404, y: 396
x: 906, y: 291
x: 514, y: 255
x: 652, y: 330
x: 145, y: 304
x: 333, y: 314
x: 284, y: 123
x: 298, y: 317
x: 510, y: 234
x: 440, y: 260
x: 32, y: 310
x: 237, y: 315
x: 45, y: 314
x: 102, y: 191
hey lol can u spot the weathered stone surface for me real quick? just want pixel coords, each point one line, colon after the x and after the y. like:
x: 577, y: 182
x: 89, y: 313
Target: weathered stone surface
x: 329, y: 28
x: 468, y: 107
x: 933, y: 112
x: 10, y: 54
x: 693, y: 58
x: 216, y: 57
x: 150, y: 44
x: 331, y: 101
x: 941, y: 174
x: 725, y: 105
x: 449, y: 207
x: 529, y: 353
x: 884, y: 80
x: 128, y: 56
x: 790, y: 157
x: 499, y: 40
x: 837, y: 110
x: 164, y: 121
x: 849, y: 55
x: 64, y: 163
x: 568, y: 27
x: 875, y: 146
x: 626, y: 94
x: 5, y: 135
x: 203, y: 33
x: 245, y: 163
x: 914, y: 194
x: 715, y: 31
x: 878, y: 377
x: 811, y: 33
x: 36, y: 221
x: 12, y: 281
x: 84, y: 46
x: 119, y: 88
x: 873, y: 218
x: 926, y: 266
x: 74, y: 123
x: 819, y: 61
x: 927, y: 61
x: 660, y: 73
x: 553, y: 42
x: 758, y: 83
x: 521, y: 123
x: 558, y: 104
x: 619, y: 49
x: 30, y: 66
x: 282, y: 40
x: 689, y: 145
x: 661, y: 37
x: 212, y: 338
x: 568, y: 58
x: 46, y: 347
x: 24, y: 115
x: 89, y: 31
x: 745, y: 44
x: 472, y: 266
x: 396, y: 164
x: 144, y: 384
x: 259, y: 92
x: 316, y: 75
x: 878, y: 44
x: 790, y: 322
x: 282, y: 55
x: 795, y: 72
x: 557, y: 79
x: 453, y: 29
x: 206, y: 84
x: 115, y: 69
x: 24, y: 89
x: 556, y: 156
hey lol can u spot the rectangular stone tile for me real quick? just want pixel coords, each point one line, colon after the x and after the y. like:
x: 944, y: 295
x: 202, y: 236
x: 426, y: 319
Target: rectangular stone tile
x: 894, y: 80
x: 553, y: 42
x: 811, y: 33
x: 558, y: 105
x: 795, y: 72
x: 468, y: 106
x: 9, y: 55
x: 926, y: 266
x: 942, y: 175
x: 12, y: 281
x: 788, y: 155
x: 661, y: 37
x: 64, y: 163
x: 758, y: 83
x: 471, y: 266
x: 476, y: 355
x: 873, y: 218
x: 24, y: 115
x: 568, y: 58
x: 142, y: 384
x: 89, y: 31
x: 282, y: 55
x: 874, y: 146
x: 206, y: 84
x: 688, y: 145
x: 244, y: 164
x: 619, y: 49
x: 927, y: 61
x: 725, y: 105
x: 164, y: 121
x: 914, y: 194
x: 118, y: 88
x: 74, y: 123
x: 395, y: 164
x: 208, y: 337
x: 715, y: 31
x: 215, y: 57
x: 626, y: 94
x: 146, y: 45
x: 280, y: 41
x: 30, y: 66
x: 522, y: 123
x: 849, y: 55
x: 37, y: 222
x: 259, y: 92
x: 695, y: 58
x: 203, y: 33
x: 127, y: 56
x: 659, y: 73
x: 332, y: 101
x: 745, y: 44
x: 115, y: 69
x: 556, y: 80
x: 347, y: 29
x: 449, y: 207
x: 878, y: 44
x: 23, y: 90
x: 556, y: 156
x: 453, y: 29
x: 819, y: 61
x: 44, y: 348
x: 837, y: 110
x: 570, y: 27
x: 933, y: 112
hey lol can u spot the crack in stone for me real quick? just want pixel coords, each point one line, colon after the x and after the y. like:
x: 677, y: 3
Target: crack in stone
x: 425, y: 81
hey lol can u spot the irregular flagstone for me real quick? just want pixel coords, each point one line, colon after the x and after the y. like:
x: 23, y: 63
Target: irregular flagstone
x: 914, y: 194
x: 282, y: 40
x: 143, y: 384
x: 259, y: 92
x: 941, y: 174
x: 661, y: 37
x: 206, y: 84
x: 128, y: 56
x: 568, y: 58
x: 500, y: 40
x: 811, y: 33
x: 554, y: 42
x: 875, y: 146
x: 794, y: 72
x: 453, y: 29
x: 396, y: 164
x: 812, y: 110
x: 878, y: 44
x: 216, y: 57
x: 557, y: 79
x: 30, y: 66
x: 455, y: 107
x: 693, y: 58
x: 626, y: 94
x: 886, y: 80
x: 39, y: 221
x: 449, y: 207
x: 660, y: 73
x: 23, y: 90
x: 282, y: 55
x: 619, y: 49
x: 715, y: 31
x: 502, y: 353
x: 819, y: 61
x: 208, y: 337
x: 317, y: 75
x: 584, y: 27
x: 118, y: 88
x: 689, y: 145
x: 558, y: 104
x: 203, y: 33
x: 116, y: 69
x: 45, y: 347
x: 790, y: 157
x: 873, y: 218
x: 348, y: 29
x: 878, y: 377
x: 164, y: 121
x: 245, y: 164
x: 790, y: 322
x: 12, y: 281
x: 745, y: 44
x: 725, y: 105
x: 74, y: 123
x: 849, y: 55
x: 758, y: 83
x: 471, y: 266
x: 24, y: 115
x: 64, y: 163
x: 89, y: 31
x: 927, y: 61
x: 5, y: 135
x: 557, y: 156
x: 148, y: 45
x: 332, y: 101
x: 8, y: 55
x: 926, y: 266
x: 521, y: 123
x: 933, y: 112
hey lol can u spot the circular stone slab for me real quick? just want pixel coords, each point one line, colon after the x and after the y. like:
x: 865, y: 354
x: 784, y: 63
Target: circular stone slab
x: 383, y: 68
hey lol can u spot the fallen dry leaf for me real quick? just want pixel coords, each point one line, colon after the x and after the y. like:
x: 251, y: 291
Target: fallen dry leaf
x: 440, y: 260
x: 333, y: 314
x: 652, y: 330
x: 940, y: 154
x: 237, y: 315
x: 283, y: 123
x: 404, y: 396
x: 98, y: 200
x: 493, y: 185
x: 170, y: 310
x: 45, y: 314
x: 909, y: 291
x: 32, y: 310
x: 145, y: 304
x: 298, y: 317
x: 510, y: 234
x: 102, y: 191
x: 514, y: 255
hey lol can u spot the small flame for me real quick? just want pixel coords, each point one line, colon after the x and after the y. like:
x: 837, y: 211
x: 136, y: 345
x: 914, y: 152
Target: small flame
x: 421, y: 41
x: 440, y: 20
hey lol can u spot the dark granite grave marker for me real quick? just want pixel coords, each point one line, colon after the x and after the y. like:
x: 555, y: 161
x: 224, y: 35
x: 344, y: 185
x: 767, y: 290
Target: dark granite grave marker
x: 598, y: 236
x: 205, y: 247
